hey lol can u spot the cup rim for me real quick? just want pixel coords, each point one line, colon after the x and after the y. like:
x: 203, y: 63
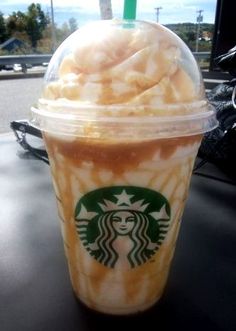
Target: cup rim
x: 93, y: 122
x: 123, y: 113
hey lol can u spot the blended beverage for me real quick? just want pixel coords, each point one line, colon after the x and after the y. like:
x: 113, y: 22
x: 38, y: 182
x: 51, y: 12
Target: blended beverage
x: 122, y: 113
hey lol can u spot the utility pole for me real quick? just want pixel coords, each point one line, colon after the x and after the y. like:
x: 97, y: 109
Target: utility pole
x: 158, y: 12
x: 53, y: 28
x: 199, y: 20
x: 105, y: 9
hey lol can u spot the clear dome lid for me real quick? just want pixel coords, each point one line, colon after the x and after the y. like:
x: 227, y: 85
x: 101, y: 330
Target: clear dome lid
x: 131, y: 63
x: 120, y: 75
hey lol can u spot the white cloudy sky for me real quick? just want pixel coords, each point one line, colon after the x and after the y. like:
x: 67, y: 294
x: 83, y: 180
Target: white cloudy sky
x: 172, y: 11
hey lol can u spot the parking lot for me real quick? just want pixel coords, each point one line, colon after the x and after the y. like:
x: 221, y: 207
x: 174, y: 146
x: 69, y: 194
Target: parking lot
x: 16, y: 98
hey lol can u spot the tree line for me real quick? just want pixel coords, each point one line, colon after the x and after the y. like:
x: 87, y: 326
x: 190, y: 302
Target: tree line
x: 34, y: 28
x: 30, y: 24
x: 188, y: 33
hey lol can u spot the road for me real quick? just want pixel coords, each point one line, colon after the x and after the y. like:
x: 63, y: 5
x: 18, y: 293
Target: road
x: 16, y: 98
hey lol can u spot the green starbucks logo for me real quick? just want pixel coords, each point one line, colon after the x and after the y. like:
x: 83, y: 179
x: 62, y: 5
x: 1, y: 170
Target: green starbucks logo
x: 122, y: 223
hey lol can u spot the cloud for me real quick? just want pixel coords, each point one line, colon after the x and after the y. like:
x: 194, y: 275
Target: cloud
x: 173, y: 11
x: 88, y: 4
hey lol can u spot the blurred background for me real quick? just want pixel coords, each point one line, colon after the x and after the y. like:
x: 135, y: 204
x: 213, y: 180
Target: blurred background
x: 40, y: 27
x: 31, y: 31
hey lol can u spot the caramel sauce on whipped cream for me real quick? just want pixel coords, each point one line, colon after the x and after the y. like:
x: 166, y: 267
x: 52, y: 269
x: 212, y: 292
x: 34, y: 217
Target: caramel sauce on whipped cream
x: 141, y: 66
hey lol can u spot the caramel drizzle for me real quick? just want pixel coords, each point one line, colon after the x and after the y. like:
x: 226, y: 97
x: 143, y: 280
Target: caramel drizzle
x: 106, y: 156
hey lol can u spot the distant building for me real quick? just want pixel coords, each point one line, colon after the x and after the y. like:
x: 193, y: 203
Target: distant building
x: 11, y: 44
x: 207, y: 36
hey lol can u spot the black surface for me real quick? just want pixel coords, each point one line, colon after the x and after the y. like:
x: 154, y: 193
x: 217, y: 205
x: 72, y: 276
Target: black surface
x: 224, y: 37
x: 35, y: 291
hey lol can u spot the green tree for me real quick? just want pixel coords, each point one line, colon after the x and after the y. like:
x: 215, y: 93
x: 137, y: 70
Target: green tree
x: 73, y: 24
x: 62, y: 33
x: 3, y: 29
x: 16, y: 22
x: 28, y: 26
x: 35, y: 23
x: 191, y: 36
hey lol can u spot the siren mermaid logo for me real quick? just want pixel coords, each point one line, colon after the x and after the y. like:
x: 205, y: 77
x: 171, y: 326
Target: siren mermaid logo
x: 122, y: 224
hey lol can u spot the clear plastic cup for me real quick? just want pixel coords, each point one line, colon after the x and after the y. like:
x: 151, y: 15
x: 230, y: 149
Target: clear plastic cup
x: 122, y: 115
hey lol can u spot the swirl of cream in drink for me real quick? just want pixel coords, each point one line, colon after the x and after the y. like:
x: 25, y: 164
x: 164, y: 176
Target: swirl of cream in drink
x: 138, y: 64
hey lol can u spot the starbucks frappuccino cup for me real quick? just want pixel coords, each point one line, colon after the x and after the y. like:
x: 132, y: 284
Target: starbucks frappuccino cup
x: 122, y: 113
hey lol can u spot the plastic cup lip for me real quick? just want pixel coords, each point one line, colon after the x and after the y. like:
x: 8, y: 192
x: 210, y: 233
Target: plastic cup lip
x: 162, y: 113
x: 61, y: 118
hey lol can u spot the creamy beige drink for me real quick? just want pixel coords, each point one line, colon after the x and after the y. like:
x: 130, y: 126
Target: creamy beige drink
x: 122, y: 112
